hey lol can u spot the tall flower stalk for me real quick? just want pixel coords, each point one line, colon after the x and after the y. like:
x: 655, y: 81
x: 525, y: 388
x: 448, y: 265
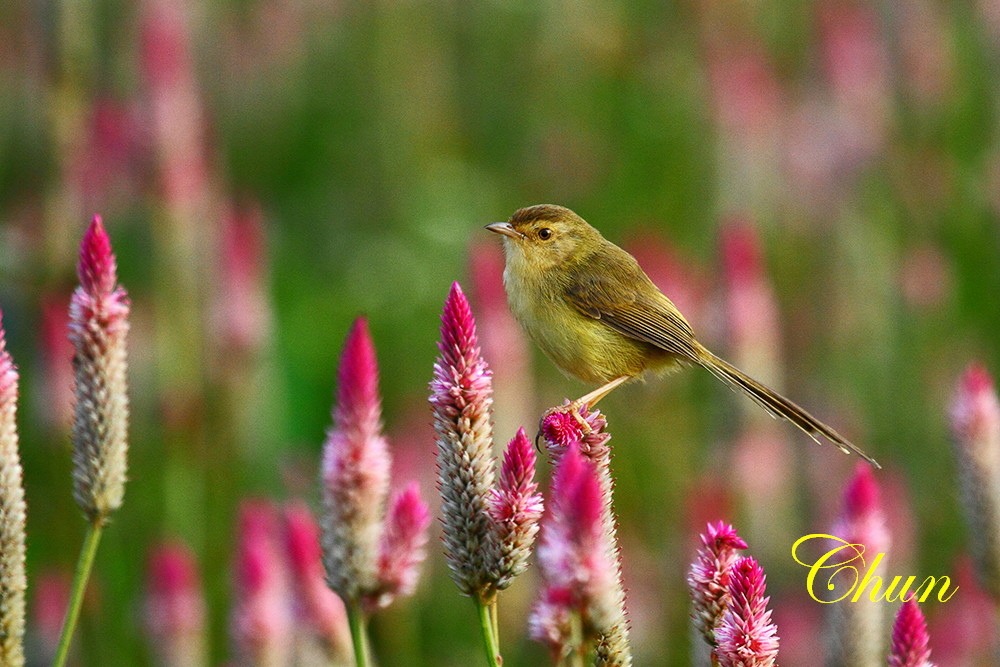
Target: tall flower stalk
x: 975, y: 423
x: 98, y: 325
x: 855, y: 630
x: 13, y: 580
x: 371, y: 554
x: 489, y: 528
x: 603, y: 609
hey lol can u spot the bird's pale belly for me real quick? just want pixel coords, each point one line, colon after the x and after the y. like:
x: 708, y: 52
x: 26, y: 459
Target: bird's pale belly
x: 588, y: 350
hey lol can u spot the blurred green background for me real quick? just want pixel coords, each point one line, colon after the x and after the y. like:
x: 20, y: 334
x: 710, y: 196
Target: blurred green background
x: 268, y: 170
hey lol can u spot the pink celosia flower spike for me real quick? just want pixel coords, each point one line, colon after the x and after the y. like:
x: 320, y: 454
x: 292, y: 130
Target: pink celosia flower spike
x: 708, y: 579
x: 975, y: 423
x: 516, y: 508
x: 461, y: 399
x: 13, y: 580
x: 97, y: 327
x: 262, y: 614
x: 909, y: 638
x: 175, y: 607
x: 319, y: 611
x: 855, y: 630
x: 576, y: 556
x: 746, y: 637
x: 401, y: 550
x: 355, y: 475
x: 563, y: 431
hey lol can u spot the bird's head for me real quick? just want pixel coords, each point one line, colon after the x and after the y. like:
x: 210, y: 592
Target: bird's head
x: 545, y: 236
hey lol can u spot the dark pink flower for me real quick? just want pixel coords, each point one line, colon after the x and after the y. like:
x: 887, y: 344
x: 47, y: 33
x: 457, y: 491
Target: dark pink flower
x: 98, y: 324
x: 560, y: 428
x: 461, y: 400
x: 708, y: 579
x: 975, y: 423
x: 13, y: 578
x: 401, y: 550
x: 355, y: 475
x: 262, y: 627
x: 747, y: 637
x: 516, y: 508
x: 577, y: 558
x: 175, y: 606
x: 316, y: 606
x: 909, y: 638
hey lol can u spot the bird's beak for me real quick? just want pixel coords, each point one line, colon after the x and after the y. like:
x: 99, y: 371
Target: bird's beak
x: 506, y: 229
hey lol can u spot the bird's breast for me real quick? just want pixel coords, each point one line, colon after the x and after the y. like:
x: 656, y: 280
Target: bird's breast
x: 580, y: 346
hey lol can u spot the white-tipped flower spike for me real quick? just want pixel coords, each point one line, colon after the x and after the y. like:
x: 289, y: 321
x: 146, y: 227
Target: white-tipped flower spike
x: 461, y: 398
x: 708, y: 579
x: 175, y: 607
x: 98, y: 325
x: 401, y: 550
x: 355, y: 475
x: 975, y: 423
x: 13, y: 581
x: 262, y: 625
x: 516, y: 509
x: 746, y: 637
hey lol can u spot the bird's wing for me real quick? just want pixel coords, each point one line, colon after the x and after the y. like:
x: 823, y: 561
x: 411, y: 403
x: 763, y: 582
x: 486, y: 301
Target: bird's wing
x: 639, y: 311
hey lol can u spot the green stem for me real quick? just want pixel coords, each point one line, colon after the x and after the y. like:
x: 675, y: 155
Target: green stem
x: 495, y: 620
x: 359, y: 633
x: 490, y: 644
x: 83, y: 566
x: 578, y: 656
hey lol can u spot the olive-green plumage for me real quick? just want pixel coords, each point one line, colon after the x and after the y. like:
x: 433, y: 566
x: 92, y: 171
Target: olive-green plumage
x: 599, y: 318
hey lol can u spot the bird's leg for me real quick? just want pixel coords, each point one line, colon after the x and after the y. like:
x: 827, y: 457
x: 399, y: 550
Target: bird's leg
x: 590, y: 400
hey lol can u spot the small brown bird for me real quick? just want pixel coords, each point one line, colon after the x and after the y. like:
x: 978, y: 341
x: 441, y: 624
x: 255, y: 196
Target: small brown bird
x: 600, y: 319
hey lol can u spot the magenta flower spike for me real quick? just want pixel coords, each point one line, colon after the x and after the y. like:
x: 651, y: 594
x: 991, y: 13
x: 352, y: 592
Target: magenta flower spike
x: 747, y: 637
x: 516, y: 508
x: 909, y: 638
x: 708, y: 579
x: 175, y: 606
x: 577, y: 557
x: 262, y: 614
x: 975, y: 424
x: 318, y: 610
x: 13, y: 578
x: 855, y: 630
x: 461, y: 399
x: 355, y: 474
x: 402, y: 548
x: 98, y: 324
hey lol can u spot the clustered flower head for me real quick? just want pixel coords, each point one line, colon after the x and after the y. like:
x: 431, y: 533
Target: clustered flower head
x: 488, y: 528
x: 370, y: 555
x: 98, y: 326
x: 909, y: 638
x: 975, y: 423
x: 13, y: 580
x: 573, y: 439
x: 746, y: 637
x: 708, y: 579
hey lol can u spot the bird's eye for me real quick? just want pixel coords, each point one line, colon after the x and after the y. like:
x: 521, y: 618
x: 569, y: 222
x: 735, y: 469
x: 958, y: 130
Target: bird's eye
x: 545, y: 233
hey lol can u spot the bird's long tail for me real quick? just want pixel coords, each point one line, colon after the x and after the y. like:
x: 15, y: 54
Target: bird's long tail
x: 775, y: 403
